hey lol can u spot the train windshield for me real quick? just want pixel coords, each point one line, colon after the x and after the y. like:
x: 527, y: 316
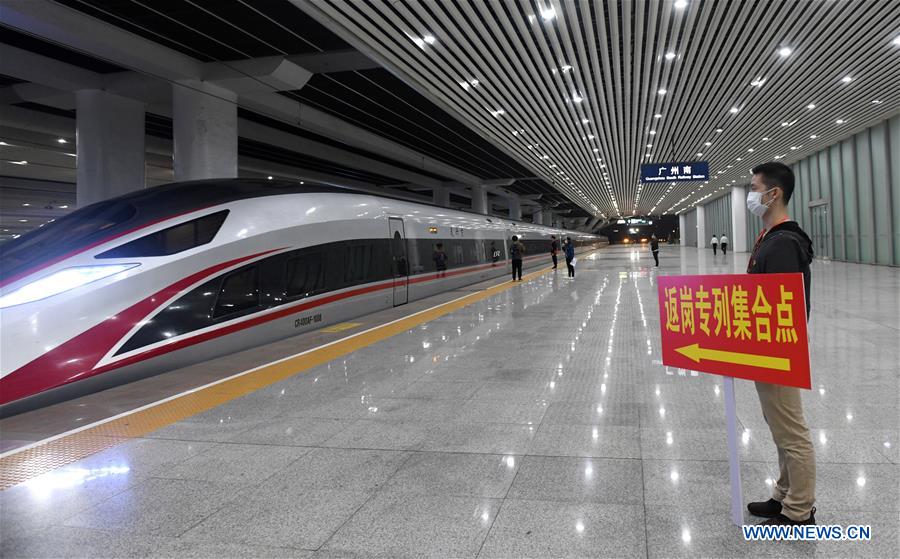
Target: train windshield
x: 69, y: 233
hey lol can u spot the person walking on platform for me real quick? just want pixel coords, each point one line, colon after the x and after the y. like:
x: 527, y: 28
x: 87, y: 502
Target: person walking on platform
x: 723, y: 244
x: 715, y: 243
x: 570, y: 256
x: 516, y: 252
x: 440, y: 260
x: 654, y: 248
x: 554, y: 248
x: 782, y: 247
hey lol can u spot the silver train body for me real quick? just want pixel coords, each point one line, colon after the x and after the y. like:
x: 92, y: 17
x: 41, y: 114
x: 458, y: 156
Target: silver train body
x: 175, y: 275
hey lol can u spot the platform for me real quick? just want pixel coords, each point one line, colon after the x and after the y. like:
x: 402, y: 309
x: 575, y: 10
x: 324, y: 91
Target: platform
x: 527, y: 420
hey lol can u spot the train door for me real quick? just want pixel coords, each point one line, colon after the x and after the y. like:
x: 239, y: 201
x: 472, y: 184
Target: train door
x: 507, y: 242
x: 400, y: 261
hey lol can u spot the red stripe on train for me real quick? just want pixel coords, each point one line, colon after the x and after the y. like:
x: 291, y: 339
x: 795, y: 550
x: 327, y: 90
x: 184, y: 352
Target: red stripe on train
x: 75, y: 359
x: 58, y: 366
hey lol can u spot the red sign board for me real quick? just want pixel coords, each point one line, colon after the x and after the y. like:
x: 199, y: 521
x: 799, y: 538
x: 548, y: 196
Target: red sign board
x: 750, y: 326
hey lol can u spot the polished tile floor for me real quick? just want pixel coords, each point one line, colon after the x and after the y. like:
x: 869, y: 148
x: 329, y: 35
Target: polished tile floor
x: 537, y: 423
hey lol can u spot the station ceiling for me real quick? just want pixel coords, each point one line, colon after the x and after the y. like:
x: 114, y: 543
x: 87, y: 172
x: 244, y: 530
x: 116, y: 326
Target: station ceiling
x: 584, y: 92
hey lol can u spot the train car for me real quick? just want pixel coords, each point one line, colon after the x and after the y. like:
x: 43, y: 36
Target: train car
x: 185, y: 272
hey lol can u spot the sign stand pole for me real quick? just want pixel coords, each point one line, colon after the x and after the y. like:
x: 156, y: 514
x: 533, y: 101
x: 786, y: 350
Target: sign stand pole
x: 734, y: 462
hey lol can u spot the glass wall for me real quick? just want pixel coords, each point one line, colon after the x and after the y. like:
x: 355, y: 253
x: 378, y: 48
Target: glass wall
x: 847, y: 198
x: 718, y: 218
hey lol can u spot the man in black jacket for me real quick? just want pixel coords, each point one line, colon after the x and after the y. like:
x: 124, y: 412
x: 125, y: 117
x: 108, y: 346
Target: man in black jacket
x: 782, y: 247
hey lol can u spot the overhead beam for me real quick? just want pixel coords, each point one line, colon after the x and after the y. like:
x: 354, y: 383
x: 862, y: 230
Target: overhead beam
x: 74, y: 29
x: 334, y: 61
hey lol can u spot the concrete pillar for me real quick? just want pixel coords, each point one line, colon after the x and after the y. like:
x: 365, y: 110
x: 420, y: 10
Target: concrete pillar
x: 701, y: 227
x: 440, y: 197
x: 109, y: 145
x: 480, y: 200
x: 682, y: 228
x: 515, y: 208
x: 204, y: 126
x: 739, y: 241
x: 548, y: 219
x: 538, y: 217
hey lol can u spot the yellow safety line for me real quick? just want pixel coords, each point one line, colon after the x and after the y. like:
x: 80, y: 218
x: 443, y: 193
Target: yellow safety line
x: 41, y: 458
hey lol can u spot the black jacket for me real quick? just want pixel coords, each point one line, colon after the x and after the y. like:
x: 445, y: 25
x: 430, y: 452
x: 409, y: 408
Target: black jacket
x: 785, y: 249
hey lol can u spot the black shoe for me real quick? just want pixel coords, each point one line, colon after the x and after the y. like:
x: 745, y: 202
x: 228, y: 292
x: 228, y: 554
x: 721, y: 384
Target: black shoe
x: 765, y: 509
x: 782, y: 520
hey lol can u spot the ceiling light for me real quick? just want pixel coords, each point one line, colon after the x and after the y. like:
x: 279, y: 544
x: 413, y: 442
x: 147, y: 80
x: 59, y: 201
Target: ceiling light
x: 896, y: 40
x: 739, y: 159
x: 498, y: 112
x: 648, y: 155
x: 811, y: 106
x: 566, y: 68
x: 62, y: 140
x: 795, y: 147
x: 653, y: 132
x: 784, y: 52
x: 26, y: 204
x: 718, y: 130
x: 585, y: 120
x: 765, y: 139
x: 269, y: 177
x: 813, y: 137
x: 649, y: 145
x: 750, y: 150
x: 429, y: 39
x: 595, y: 150
x: 662, y: 92
x: 23, y: 221
x: 876, y: 102
x: 699, y: 154
x: 839, y: 121
x: 3, y: 144
x: 758, y: 82
x: 708, y: 144
x: 681, y: 4
x: 63, y: 207
x: 670, y: 56
x: 548, y: 13
x: 23, y: 162
x: 657, y: 115
x: 577, y: 98
x: 733, y: 110
x: 846, y: 79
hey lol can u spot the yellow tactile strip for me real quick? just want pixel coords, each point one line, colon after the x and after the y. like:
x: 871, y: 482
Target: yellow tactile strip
x: 55, y: 453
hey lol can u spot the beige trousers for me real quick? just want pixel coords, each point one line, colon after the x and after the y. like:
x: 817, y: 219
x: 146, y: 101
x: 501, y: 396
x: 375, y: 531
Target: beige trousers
x: 796, y: 485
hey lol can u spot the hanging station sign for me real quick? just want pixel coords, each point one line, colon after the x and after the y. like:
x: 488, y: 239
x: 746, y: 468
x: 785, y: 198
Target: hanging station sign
x: 675, y: 172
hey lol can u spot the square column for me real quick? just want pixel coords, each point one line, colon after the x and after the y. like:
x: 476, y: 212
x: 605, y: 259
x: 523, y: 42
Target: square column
x: 515, y: 208
x: 204, y: 126
x: 701, y: 227
x: 109, y: 143
x: 480, y: 200
x: 440, y: 197
x: 682, y: 227
x: 739, y: 241
x: 537, y: 217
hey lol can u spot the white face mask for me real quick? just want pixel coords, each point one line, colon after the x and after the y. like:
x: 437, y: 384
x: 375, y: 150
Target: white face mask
x: 754, y: 203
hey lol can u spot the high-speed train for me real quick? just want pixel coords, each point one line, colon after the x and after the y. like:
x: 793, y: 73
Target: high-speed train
x: 173, y: 275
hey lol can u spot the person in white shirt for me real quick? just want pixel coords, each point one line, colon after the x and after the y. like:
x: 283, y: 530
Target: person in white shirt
x: 715, y: 243
x: 723, y: 244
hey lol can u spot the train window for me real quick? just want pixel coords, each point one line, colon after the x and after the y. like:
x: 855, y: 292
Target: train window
x: 359, y: 261
x: 305, y: 275
x: 172, y: 240
x: 239, y: 292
